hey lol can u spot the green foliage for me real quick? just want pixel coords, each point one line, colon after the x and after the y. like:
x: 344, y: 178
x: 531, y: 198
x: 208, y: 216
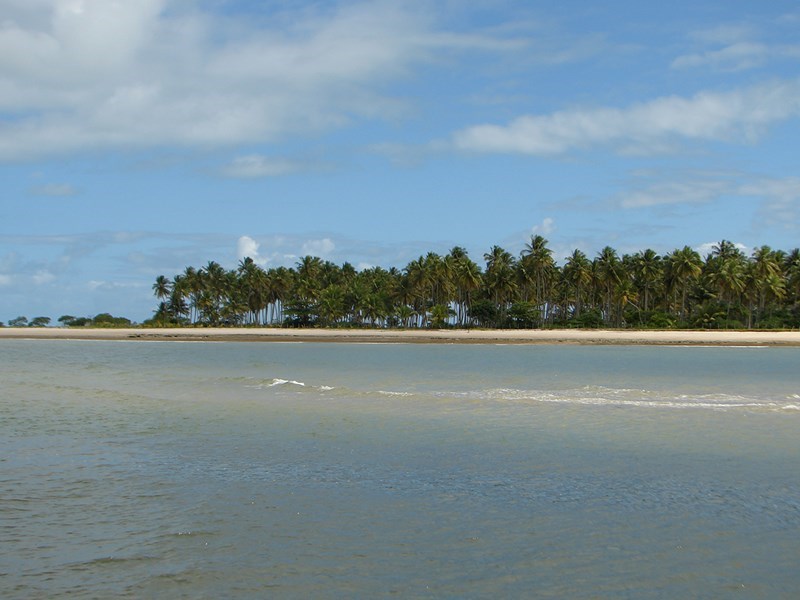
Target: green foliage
x: 108, y: 320
x: 484, y: 313
x: 523, y: 315
x: 650, y: 319
x: 590, y: 319
x: 18, y: 322
x: 39, y: 322
x: 777, y: 321
x: 708, y: 316
x: 643, y: 289
x: 300, y: 314
x: 439, y: 315
x: 658, y: 319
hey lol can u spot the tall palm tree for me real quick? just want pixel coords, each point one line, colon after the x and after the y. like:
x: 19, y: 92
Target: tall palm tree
x: 765, y: 270
x: 577, y: 274
x: 469, y: 279
x: 683, y: 268
x: 791, y: 270
x: 726, y: 271
x: 647, y: 275
x: 309, y: 284
x: 331, y: 305
x: 213, y: 289
x: 608, y: 271
x: 162, y: 287
x: 538, y: 269
x: 499, y: 279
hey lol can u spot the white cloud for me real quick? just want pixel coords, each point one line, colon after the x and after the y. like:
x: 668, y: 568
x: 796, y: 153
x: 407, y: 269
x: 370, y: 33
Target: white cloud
x: 707, y: 116
x: 89, y: 74
x: 735, y: 47
x: 43, y: 276
x: 675, y: 192
x: 54, y: 189
x: 248, y: 247
x: 255, y: 166
x: 111, y: 286
x: 736, y: 57
x: 784, y: 190
x: 729, y: 33
x: 321, y: 248
x: 778, y: 199
x: 546, y: 227
x: 5, y: 279
x: 781, y: 200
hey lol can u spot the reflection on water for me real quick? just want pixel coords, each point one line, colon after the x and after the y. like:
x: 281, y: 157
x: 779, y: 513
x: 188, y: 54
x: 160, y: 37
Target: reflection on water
x: 242, y: 470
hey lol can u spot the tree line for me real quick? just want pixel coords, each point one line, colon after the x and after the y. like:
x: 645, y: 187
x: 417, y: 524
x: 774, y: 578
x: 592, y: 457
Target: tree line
x: 101, y: 320
x: 681, y: 289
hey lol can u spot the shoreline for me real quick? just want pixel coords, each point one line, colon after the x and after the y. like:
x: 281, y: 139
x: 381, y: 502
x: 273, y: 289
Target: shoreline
x: 440, y: 336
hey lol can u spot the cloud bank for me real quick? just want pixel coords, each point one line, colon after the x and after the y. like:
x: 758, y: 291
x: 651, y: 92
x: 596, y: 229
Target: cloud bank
x: 93, y: 74
x: 708, y: 116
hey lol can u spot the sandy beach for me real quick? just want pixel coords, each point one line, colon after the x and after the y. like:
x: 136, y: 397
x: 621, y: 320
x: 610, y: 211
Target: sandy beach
x: 444, y: 336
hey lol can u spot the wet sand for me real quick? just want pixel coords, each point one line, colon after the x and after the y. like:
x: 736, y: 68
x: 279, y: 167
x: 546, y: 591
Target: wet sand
x: 442, y: 336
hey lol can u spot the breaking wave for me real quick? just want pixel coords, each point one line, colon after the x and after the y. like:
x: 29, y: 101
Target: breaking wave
x: 585, y: 396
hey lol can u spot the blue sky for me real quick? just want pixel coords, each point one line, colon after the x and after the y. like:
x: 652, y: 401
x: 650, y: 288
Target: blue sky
x: 137, y: 138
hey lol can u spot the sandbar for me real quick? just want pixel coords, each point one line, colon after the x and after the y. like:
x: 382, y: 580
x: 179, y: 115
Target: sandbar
x: 440, y: 336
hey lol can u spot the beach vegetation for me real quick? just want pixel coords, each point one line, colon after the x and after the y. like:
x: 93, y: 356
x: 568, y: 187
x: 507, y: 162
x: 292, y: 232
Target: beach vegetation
x: 70, y: 321
x: 726, y: 289
x: 108, y: 320
x: 20, y: 321
x: 39, y: 322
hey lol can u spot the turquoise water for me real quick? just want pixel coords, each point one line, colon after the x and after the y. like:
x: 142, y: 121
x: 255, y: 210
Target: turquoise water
x: 207, y: 470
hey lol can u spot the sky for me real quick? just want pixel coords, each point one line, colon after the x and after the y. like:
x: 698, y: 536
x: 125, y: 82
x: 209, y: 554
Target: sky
x: 139, y: 138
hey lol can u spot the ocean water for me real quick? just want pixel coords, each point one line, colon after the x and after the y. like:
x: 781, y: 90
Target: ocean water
x: 236, y: 470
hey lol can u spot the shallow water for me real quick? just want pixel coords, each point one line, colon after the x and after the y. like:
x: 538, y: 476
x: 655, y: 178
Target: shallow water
x: 206, y: 470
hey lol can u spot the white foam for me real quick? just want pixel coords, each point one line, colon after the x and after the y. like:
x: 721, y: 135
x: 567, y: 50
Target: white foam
x: 276, y: 382
x: 600, y: 396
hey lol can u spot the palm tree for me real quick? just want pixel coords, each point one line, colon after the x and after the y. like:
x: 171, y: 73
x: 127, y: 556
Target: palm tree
x: 453, y: 289
x: 726, y: 270
x: 191, y: 289
x: 440, y: 314
x: 177, y: 305
x: 162, y: 288
x: 308, y: 284
x: 577, y: 274
x: 538, y: 268
x: 468, y: 279
x: 254, y: 287
x: 765, y: 272
x: 647, y: 275
x: 791, y: 269
x: 331, y: 305
x: 499, y: 281
x: 608, y: 272
x: 683, y: 268
x: 420, y: 281
x: 213, y: 289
